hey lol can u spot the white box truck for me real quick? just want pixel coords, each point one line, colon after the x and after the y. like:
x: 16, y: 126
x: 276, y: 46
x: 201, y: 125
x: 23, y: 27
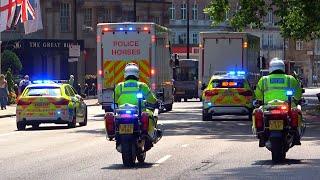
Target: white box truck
x: 146, y: 44
x: 227, y: 51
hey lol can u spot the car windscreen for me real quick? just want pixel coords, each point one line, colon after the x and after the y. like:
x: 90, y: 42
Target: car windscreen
x: 43, y: 91
x: 228, y: 83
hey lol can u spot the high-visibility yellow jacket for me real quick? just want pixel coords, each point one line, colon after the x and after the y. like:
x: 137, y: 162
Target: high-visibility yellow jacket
x: 275, y: 86
x: 126, y: 93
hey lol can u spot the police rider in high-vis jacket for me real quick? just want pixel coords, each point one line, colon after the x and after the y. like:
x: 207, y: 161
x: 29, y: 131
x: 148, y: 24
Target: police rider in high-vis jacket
x: 275, y: 85
x: 126, y: 93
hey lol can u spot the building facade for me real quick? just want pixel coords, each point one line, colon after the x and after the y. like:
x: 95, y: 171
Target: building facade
x: 46, y: 53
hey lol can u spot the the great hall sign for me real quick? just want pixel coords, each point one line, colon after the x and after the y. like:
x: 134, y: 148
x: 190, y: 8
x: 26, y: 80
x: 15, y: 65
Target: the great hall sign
x: 42, y: 44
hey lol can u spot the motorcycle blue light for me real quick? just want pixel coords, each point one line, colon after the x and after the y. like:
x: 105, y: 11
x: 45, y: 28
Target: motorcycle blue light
x: 130, y: 28
x: 128, y: 112
x: 289, y: 93
x: 232, y: 73
x: 139, y: 96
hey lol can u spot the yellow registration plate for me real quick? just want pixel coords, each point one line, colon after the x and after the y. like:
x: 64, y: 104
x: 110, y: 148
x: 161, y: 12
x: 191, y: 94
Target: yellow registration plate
x: 126, y: 129
x: 275, y: 125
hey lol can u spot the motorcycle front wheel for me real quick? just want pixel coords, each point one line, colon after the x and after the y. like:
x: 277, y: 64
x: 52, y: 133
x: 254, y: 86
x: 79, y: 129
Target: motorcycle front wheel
x: 128, y: 154
x: 277, y: 150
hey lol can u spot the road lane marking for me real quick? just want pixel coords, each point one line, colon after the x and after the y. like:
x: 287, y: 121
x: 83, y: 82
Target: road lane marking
x: 185, y: 145
x: 162, y: 160
x: 7, y: 134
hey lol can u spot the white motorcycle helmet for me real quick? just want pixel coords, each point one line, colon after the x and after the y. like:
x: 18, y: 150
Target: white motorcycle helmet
x: 131, y: 69
x: 276, y: 64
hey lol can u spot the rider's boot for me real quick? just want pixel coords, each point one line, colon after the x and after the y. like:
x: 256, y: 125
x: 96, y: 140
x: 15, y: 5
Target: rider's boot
x: 262, y: 140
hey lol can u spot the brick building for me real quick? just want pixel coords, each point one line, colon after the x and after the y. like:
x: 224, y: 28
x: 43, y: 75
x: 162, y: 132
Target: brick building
x: 49, y: 56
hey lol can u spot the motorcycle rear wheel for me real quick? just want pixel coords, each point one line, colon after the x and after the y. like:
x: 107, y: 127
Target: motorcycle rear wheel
x: 141, y: 157
x: 277, y: 150
x: 128, y: 154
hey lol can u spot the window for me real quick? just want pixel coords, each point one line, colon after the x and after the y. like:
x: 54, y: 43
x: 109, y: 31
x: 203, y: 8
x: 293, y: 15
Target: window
x: 299, y: 45
x: 172, y: 12
x: 184, y: 11
x: 183, y: 38
x: 270, y: 16
x: 65, y: 17
x: 195, y: 38
x: 156, y: 19
x: 88, y: 17
x: 43, y: 91
x: 195, y: 11
x: 264, y: 40
x: 173, y: 38
x: 270, y: 40
x: 104, y: 15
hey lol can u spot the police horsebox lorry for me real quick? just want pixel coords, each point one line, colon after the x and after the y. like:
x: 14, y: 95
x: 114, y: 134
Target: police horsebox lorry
x: 147, y: 45
x: 228, y: 51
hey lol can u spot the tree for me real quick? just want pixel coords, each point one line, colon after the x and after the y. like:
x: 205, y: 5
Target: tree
x: 298, y: 19
x: 12, y: 61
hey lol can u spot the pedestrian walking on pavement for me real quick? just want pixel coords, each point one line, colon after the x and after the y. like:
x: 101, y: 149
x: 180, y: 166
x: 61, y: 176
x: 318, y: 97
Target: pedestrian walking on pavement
x: 24, y: 83
x: 3, y: 92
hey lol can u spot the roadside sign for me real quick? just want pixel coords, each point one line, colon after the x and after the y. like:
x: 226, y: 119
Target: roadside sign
x: 74, y: 50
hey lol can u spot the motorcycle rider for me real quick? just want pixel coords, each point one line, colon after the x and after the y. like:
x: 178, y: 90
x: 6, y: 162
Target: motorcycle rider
x: 274, y: 86
x: 126, y: 93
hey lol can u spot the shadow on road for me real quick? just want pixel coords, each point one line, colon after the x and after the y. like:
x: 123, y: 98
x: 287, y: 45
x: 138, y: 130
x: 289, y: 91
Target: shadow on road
x: 47, y: 128
x: 297, y: 169
x: 121, y: 166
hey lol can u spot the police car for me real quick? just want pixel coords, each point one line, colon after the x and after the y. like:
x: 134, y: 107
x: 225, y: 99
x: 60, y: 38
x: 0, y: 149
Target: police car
x: 227, y: 94
x: 50, y: 102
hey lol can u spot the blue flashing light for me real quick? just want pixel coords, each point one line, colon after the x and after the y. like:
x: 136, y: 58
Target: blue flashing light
x: 121, y: 29
x: 209, y: 104
x: 289, y: 93
x: 241, y: 73
x: 43, y: 82
x: 232, y: 73
x: 130, y: 28
x: 128, y: 112
x: 139, y: 96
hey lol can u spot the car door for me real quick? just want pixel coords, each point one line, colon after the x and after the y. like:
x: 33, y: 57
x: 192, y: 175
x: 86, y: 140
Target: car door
x: 82, y: 105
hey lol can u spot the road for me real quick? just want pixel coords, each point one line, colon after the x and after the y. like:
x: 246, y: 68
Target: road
x: 190, y: 149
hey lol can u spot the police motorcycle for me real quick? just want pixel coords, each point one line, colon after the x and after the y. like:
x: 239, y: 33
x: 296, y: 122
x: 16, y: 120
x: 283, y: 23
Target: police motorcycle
x: 277, y: 125
x: 128, y: 126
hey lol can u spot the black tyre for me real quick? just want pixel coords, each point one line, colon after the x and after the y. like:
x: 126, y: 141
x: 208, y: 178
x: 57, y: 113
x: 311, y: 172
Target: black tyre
x: 185, y: 99
x: 21, y: 126
x: 73, y: 124
x: 141, y: 157
x: 85, y: 120
x: 277, y: 150
x: 128, y: 154
x: 168, y: 107
x: 206, y: 116
x: 35, y: 126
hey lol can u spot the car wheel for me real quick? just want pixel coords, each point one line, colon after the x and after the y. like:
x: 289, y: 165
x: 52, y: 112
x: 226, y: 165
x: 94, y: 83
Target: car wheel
x: 21, y: 125
x: 206, y: 116
x: 35, y: 126
x: 85, y: 119
x: 73, y: 123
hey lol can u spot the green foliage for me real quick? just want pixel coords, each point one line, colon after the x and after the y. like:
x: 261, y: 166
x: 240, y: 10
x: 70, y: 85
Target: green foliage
x: 9, y: 78
x: 298, y: 19
x: 11, y: 96
x: 12, y: 61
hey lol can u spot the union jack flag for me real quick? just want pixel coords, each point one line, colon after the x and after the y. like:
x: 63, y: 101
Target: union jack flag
x: 25, y: 11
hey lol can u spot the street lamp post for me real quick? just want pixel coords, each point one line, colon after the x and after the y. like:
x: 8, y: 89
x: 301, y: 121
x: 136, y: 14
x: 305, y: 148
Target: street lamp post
x: 188, y: 30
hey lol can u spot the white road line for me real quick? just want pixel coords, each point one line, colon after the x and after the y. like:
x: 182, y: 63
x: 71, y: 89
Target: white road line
x: 162, y: 160
x: 7, y: 134
x: 185, y: 145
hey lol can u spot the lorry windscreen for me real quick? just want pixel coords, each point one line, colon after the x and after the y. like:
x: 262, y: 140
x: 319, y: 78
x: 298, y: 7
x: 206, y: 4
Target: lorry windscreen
x: 228, y: 83
x: 186, y: 73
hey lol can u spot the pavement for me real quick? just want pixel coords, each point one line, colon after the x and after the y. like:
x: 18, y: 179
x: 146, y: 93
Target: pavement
x: 11, y: 109
x: 190, y: 149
